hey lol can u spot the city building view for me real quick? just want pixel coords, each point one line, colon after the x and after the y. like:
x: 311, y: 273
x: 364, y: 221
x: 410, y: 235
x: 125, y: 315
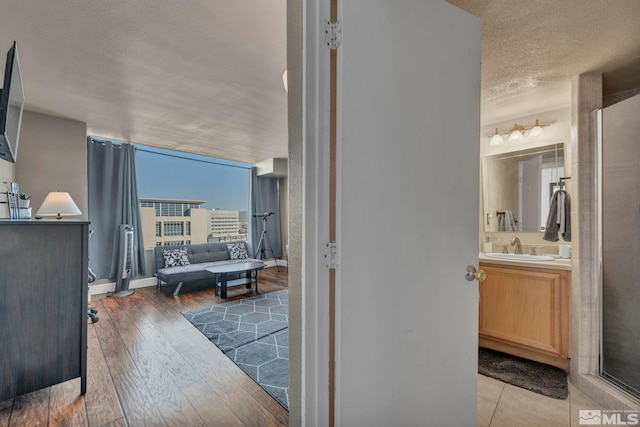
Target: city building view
x: 227, y: 225
x: 189, y: 198
x: 183, y: 222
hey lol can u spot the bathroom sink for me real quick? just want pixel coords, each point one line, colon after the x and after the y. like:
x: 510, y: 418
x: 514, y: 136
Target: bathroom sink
x: 520, y: 257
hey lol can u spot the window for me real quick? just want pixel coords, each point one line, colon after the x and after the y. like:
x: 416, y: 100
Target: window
x: 174, y: 228
x: 169, y: 208
x: 180, y: 192
x: 174, y: 209
x: 174, y: 243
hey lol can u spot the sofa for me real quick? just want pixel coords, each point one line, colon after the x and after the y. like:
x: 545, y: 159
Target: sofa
x: 176, y: 265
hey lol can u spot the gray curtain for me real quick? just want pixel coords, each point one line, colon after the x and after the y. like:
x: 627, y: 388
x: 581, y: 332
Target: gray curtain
x: 113, y: 201
x: 264, y: 198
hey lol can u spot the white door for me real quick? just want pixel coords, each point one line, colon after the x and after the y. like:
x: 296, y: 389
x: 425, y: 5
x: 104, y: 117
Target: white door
x: 408, y: 170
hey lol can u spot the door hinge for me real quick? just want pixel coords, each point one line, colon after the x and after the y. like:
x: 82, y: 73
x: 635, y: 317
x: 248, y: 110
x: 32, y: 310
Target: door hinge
x: 333, y: 34
x: 331, y: 255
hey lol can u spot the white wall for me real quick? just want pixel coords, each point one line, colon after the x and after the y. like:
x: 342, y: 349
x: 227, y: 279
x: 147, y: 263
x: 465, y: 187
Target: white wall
x: 52, y: 156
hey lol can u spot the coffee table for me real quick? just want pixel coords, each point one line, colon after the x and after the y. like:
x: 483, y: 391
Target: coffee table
x: 250, y: 268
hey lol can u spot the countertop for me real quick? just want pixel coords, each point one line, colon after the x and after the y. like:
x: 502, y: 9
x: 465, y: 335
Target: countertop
x: 557, y: 264
x: 47, y: 221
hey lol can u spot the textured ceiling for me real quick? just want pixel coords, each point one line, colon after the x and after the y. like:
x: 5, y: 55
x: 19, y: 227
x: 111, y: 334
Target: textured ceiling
x: 535, y: 48
x: 202, y: 76
x: 205, y: 76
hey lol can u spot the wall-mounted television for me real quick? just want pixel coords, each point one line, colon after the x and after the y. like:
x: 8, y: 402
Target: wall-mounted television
x: 11, y: 106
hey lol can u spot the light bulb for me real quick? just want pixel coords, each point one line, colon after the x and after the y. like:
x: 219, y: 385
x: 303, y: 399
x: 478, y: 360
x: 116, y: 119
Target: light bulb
x: 516, y: 134
x: 496, y: 139
x: 536, y: 131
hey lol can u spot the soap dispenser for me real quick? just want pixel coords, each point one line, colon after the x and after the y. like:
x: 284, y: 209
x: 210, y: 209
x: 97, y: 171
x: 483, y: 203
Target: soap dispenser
x: 487, y: 246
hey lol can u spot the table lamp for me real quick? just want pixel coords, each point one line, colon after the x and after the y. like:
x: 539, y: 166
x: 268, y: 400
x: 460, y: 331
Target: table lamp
x: 58, y: 204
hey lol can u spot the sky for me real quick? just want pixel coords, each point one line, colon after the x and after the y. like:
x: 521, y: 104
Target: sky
x: 171, y: 174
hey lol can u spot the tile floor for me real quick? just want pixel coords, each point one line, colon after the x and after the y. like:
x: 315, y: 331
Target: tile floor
x: 505, y: 405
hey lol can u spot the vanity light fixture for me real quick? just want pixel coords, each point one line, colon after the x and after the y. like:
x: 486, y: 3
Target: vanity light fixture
x: 517, y: 133
x: 496, y: 139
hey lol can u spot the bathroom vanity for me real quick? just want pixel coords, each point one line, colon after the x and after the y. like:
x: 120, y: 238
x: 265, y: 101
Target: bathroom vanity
x: 524, y: 309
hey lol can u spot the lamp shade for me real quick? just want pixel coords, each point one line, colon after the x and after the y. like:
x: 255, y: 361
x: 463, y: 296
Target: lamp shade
x: 515, y: 136
x: 58, y: 204
x: 536, y: 131
x: 516, y: 133
x: 285, y: 81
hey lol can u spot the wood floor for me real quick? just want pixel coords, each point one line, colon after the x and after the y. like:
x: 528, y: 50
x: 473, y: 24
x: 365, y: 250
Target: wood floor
x: 148, y: 366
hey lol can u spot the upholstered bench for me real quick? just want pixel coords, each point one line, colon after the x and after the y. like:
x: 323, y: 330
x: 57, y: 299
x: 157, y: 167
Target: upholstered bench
x: 175, y: 265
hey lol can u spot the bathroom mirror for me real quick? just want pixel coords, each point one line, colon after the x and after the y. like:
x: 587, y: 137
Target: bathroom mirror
x: 517, y: 187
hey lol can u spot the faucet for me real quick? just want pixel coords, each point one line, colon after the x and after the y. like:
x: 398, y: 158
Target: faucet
x: 516, y: 242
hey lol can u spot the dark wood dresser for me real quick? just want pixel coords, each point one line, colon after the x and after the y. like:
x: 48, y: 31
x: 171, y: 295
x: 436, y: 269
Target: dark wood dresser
x: 43, y: 304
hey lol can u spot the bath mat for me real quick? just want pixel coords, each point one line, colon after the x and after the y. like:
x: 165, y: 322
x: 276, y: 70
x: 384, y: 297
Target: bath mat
x: 534, y: 376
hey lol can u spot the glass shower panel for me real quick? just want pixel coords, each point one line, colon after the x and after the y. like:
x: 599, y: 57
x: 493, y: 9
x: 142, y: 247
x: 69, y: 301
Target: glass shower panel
x: 620, y: 239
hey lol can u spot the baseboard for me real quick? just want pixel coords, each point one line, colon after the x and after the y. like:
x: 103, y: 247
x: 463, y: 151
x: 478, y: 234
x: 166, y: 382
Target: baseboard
x: 103, y: 288
x: 271, y: 263
x: 605, y: 394
x: 143, y: 283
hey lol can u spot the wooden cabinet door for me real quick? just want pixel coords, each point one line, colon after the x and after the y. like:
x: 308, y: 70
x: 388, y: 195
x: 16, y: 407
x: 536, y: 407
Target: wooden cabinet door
x: 526, y: 307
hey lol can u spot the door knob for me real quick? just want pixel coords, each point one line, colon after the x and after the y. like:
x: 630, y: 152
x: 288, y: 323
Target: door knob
x: 471, y: 274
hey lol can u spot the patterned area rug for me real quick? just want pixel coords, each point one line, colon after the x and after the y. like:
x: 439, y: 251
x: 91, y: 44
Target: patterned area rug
x: 538, y: 377
x: 254, y: 333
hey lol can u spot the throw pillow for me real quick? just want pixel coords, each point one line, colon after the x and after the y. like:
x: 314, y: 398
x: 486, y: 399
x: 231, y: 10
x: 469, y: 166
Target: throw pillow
x: 175, y: 257
x: 237, y: 250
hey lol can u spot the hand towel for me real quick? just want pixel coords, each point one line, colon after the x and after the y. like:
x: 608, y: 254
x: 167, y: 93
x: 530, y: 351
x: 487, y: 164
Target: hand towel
x: 507, y: 221
x: 559, y: 219
x: 566, y: 233
x: 561, y: 214
x: 510, y: 221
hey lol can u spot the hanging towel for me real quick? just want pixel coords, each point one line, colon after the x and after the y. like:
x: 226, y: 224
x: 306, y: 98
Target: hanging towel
x: 559, y: 219
x: 561, y: 213
x: 507, y: 221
